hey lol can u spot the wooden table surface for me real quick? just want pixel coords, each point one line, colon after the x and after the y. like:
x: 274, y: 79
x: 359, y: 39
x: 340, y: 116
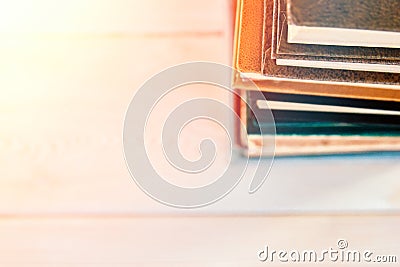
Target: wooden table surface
x: 68, y: 70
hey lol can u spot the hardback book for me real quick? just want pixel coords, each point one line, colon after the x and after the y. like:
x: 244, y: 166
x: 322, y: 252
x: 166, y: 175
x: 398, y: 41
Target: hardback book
x: 316, y: 111
x: 319, y: 128
x: 253, y: 32
x: 345, y: 61
x: 371, y: 23
x: 285, y: 48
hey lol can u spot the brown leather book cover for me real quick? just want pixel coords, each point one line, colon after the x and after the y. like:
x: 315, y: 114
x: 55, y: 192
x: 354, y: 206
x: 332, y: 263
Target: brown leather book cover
x: 250, y: 59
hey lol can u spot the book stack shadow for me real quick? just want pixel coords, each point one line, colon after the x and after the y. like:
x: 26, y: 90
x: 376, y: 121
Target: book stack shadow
x: 328, y: 71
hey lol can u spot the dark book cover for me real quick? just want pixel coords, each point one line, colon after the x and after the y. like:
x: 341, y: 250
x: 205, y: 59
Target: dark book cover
x: 283, y: 48
x: 368, y: 23
x: 271, y: 70
x: 376, y: 15
x: 371, y: 62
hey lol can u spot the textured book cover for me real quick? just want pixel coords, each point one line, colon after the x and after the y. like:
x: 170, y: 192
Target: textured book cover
x: 272, y: 70
x: 376, y: 15
x: 253, y: 35
x: 285, y: 48
x: 344, y: 61
x: 372, y: 23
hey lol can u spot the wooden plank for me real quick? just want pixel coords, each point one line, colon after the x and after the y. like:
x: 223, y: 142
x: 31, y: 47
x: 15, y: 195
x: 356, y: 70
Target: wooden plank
x: 117, y: 17
x: 62, y: 107
x: 187, y: 241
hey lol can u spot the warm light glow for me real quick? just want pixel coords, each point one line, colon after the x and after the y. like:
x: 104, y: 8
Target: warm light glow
x: 25, y: 16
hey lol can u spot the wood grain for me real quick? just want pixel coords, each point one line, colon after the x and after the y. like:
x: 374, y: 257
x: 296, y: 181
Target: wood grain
x: 68, y: 72
x: 122, y: 17
x: 186, y: 241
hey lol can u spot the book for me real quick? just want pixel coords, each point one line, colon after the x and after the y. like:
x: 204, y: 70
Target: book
x: 358, y: 63
x: 369, y: 23
x: 285, y: 48
x: 253, y: 33
x: 310, y: 132
x: 316, y: 111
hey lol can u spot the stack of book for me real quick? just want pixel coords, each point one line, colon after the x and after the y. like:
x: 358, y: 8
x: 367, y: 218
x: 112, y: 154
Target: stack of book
x: 328, y: 70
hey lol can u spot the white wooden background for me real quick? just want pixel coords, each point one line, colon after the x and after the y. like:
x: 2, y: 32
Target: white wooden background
x: 68, y: 70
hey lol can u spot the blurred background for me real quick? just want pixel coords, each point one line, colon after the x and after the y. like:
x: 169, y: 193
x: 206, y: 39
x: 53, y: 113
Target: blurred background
x: 68, y: 70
